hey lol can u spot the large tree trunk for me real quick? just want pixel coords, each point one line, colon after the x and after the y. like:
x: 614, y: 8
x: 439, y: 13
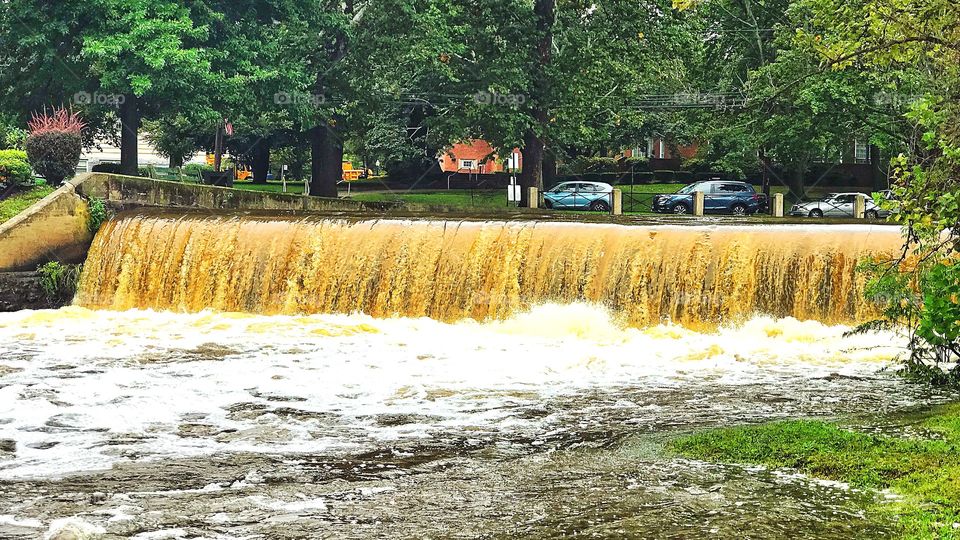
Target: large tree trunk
x: 129, y: 128
x: 533, y: 140
x: 532, y: 173
x: 327, y: 167
x: 261, y: 161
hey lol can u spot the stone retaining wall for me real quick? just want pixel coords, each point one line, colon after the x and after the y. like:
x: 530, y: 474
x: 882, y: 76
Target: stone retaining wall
x: 22, y: 290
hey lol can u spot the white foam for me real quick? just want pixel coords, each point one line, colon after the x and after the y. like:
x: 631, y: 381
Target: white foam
x: 165, y: 385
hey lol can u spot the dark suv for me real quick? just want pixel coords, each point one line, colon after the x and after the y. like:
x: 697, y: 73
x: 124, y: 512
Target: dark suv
x: 719, y: 197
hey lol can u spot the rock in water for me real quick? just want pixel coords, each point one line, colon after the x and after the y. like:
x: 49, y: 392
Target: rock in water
x: 8, y: 447
x: 73, y: 529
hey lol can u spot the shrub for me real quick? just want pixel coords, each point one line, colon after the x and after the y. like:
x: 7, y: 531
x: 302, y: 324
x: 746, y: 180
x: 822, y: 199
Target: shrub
x: 637, y: 163
x: 194, y: 169
x: 59, y: 281
x: 14, y: 168
x: 98, y: 214
x: 108, y: 168
x: 12, y: 138
x: 54, y: 144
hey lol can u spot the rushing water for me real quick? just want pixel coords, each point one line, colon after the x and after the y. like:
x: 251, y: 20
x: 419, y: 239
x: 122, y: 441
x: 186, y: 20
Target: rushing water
x: 546, y: 424
x: 451, y: 270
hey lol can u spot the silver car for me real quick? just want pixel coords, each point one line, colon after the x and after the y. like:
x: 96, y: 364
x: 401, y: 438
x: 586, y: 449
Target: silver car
x: 838, y: 205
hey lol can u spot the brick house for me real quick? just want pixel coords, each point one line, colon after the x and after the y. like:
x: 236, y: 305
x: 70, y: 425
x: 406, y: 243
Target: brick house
x: 660, y: 155
x: 477, y: 157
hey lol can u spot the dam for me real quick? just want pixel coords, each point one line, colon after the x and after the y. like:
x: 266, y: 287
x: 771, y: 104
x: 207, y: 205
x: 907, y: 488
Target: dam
x: 455, y: 270
x: 250, y: 375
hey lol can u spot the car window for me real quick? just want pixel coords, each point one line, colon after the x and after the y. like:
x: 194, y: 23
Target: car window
x: 733, y: 188
x: 566, y: 187
x: 690, y: 189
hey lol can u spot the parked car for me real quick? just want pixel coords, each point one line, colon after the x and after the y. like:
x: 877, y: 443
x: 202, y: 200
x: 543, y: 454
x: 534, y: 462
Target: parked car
x: 838, y: 205
x: 595, y: 196
x: 719, y: 197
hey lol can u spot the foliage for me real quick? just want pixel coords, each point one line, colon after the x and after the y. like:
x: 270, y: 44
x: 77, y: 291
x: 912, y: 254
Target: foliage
x: 59, y: 281
x: 195, y: 169
x: 923, y: 471
x: 54, y: 144
x: 12, y: 136
x: 918, y: 40
x: 98, y: 214
x: 108, y: 168
x: 176, y: 137
x: 14, y: 168
x: 12, y: 206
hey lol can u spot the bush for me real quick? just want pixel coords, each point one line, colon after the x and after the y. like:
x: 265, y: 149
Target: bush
x: 59, y: 281
x: 194, y: 169
x: 637, y: 163
x: 98, y: 214
x: 13, y: 138
x: 14, y: 168
x: 108, y: 168
x: 54, y: 145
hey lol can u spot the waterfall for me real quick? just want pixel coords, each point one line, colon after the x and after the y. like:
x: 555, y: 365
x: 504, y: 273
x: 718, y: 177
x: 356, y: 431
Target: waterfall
x: 484, y: 270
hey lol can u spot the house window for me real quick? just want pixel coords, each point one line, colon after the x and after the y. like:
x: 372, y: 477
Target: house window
x: 467, y: 164
x: 650, y: 147
x: 861, y: 152
x: 662, y: 153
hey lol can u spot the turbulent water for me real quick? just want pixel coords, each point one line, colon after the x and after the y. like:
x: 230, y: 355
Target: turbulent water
x: 452, y: 270
x: 547, y: 424
x: 264, y: 377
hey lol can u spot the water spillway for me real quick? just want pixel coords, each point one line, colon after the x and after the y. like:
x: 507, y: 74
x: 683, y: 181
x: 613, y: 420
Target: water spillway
x: 454, y: 270
x: 292, y: 375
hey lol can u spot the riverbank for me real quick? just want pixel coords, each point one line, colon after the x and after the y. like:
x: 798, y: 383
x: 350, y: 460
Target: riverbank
x: 917, y: 467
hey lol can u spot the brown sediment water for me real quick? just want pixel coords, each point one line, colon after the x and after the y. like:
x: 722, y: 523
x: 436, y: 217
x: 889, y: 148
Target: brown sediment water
x: 453, y: 270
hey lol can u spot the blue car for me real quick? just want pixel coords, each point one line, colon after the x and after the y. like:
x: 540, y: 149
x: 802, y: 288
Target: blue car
x: 595, y: 196
x: 719, y: 197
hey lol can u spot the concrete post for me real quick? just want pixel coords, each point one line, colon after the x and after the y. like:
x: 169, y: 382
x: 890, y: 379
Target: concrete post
x: 859, y: 206
x: 777, y: 208
x: 698, y: 199
x: 617, y: 207
x: 533, y: 198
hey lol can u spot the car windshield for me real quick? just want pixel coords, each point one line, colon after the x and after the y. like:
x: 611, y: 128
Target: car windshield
x: 686, y: 190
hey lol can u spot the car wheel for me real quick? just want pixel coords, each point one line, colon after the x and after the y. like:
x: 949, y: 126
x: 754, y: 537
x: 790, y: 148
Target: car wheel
x: 873, y: 214
x: 599, y: 206
x: 739, y: 209
x: 680, y: 209
x: 816, y: 213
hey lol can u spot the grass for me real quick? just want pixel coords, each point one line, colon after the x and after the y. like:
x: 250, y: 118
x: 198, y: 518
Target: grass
x: 923, y: 471
x: 453, y: 198
x: 12, y: 206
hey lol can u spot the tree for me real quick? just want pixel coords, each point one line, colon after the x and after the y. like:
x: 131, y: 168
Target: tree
x: 152, y: 56
x: 919, y: 41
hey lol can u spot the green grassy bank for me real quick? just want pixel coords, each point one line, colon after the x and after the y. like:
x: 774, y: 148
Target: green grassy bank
x: 12, y: 206
x: 923, y: 471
